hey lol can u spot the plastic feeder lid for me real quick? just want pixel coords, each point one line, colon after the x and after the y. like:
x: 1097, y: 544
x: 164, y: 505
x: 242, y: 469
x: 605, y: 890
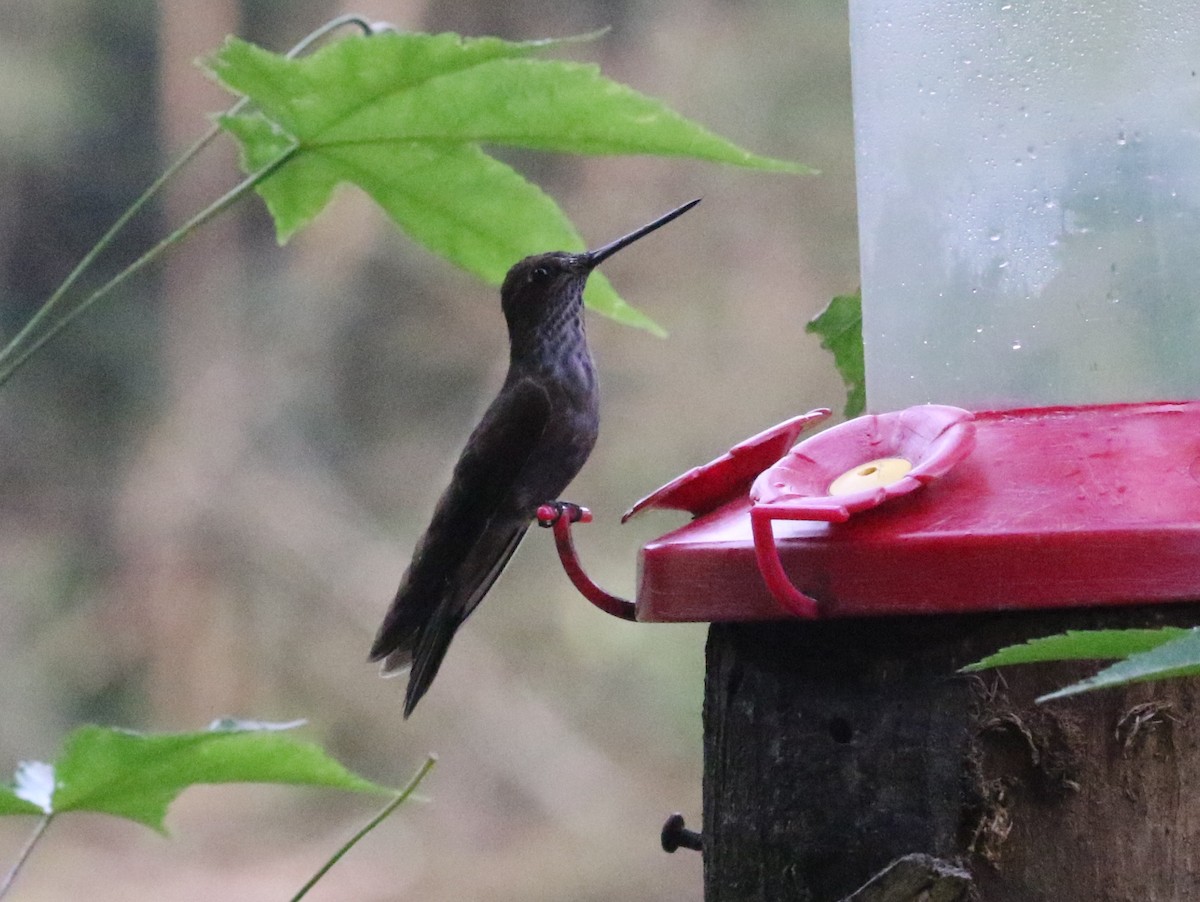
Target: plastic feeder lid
x: 1049, y: 507
x: 702, y: 489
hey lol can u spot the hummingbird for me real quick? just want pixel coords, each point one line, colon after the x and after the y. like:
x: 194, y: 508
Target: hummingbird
x: 531, y: 442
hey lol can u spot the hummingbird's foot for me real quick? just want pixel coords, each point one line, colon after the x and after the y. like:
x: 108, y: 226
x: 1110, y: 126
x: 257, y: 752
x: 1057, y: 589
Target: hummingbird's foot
x: 553, y: 511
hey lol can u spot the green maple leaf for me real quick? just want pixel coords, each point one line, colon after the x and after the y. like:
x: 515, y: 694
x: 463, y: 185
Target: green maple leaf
x: 405, y: 116
x: 137, y: 775
x: 1079, y: 645
x: 1173, y: 658
x: 840, y: 328
x: 1145, y: 654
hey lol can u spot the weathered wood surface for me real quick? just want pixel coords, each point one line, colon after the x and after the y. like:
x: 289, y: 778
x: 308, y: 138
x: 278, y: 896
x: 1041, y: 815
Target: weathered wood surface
x: 833, y: 748
x: 916, y: 878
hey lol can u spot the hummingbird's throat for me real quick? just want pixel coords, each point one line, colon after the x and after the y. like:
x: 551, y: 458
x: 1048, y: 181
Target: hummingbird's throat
x: 539, y: 341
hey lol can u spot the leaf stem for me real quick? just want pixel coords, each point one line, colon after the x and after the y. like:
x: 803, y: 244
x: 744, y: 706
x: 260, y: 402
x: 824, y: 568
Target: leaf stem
x: 105, y: 240
x: 400, y: 799
x: 328, y: 28
x: 8, y: 368
x: 33, y: 840
x: 9, y: 350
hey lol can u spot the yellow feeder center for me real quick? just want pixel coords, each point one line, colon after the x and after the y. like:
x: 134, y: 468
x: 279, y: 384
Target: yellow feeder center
x: 873, y: 474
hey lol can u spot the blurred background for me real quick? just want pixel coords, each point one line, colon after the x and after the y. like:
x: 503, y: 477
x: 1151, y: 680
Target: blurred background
x: 210, y: 486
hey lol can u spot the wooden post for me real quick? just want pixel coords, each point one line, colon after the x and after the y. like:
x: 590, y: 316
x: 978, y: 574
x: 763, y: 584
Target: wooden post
x: 834, y: 747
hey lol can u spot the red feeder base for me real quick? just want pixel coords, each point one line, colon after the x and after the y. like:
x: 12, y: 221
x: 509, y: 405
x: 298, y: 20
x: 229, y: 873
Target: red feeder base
x: 1054, y: 507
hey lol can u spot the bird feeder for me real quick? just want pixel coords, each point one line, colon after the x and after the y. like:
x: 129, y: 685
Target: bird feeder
x: 1029, y: 210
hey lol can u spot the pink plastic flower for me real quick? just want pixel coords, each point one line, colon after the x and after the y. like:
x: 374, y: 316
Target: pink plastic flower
x: 929, y: 439
x: 850, y: 468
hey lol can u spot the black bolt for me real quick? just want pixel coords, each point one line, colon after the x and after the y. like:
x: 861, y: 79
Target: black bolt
x: 676, y: 836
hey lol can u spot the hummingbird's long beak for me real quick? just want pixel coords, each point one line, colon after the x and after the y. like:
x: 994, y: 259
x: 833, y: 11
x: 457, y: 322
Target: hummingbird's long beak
x: 595, y: 257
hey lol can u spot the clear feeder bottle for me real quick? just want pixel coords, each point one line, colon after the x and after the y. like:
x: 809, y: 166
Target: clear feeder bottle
x: 1029, y: 200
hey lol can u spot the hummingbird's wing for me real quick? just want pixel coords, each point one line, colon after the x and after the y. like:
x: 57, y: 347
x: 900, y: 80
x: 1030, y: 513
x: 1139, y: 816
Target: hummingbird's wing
x: 476, y: 527
x: 434, y: 638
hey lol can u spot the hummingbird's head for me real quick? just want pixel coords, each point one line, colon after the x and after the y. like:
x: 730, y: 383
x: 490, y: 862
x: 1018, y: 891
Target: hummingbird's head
x: 540, y: 291
x: 544, y: 287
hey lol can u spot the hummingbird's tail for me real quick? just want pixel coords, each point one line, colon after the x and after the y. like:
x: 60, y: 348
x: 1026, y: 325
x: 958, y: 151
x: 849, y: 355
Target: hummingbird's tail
x: 422, y: 621
x: 427, y: 657
x: 395, y: 641
x: 421, y: 649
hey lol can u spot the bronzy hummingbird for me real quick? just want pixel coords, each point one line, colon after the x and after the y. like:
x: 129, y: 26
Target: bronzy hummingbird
x: 532, y: 441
